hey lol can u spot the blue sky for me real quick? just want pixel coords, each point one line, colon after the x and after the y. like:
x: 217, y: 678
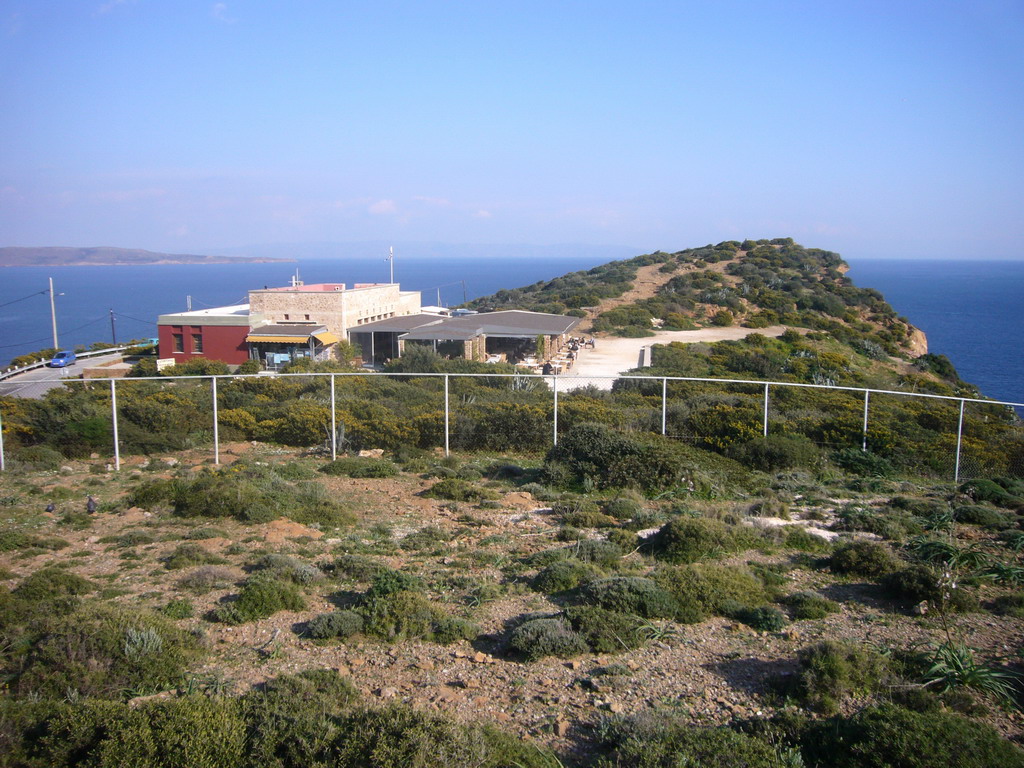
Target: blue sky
x: 870, y: 128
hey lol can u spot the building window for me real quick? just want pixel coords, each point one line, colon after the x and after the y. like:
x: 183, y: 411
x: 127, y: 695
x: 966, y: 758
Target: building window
x: 287, y: 316
x: 197, y: 344
x: 307, y: 317
x: 179, y: 343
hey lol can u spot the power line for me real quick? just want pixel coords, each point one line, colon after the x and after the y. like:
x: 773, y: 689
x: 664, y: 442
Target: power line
x: 31, y: 295
x: 136, y: 319
x: 36, y: 341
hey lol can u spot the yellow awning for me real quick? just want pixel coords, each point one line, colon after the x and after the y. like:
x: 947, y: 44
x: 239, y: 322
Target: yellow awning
x: 279, y: 339
x: 326, y: 338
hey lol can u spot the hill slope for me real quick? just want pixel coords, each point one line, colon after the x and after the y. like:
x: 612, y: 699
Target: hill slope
x: 107, y: 256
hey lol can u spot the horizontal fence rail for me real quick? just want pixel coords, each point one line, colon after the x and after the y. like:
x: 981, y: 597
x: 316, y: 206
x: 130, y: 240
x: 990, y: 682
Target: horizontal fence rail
x: 558, y: 392
x: 9, y: 372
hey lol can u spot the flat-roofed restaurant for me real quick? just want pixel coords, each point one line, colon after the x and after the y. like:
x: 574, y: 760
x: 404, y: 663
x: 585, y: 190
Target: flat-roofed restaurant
x: 512, y: 336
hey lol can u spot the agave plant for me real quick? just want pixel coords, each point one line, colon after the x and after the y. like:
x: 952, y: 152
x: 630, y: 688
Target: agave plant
x: 1001, y: 573
x: 954, y: 666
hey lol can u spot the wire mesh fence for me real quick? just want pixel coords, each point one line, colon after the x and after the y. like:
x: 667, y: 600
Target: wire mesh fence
x: 943, y: 436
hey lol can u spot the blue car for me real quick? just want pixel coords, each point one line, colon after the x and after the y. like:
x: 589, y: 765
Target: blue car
x: 61, y: 359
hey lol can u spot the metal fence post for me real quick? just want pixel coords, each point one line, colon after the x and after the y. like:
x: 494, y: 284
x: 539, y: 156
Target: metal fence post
x: 446, y: 415
x: 766, y: 410
x: 664, y: 405
x: 334, y: 423
x: 959, y: 440
x: 3, y: 466
x: 216, y: 428
x: 864, y: 440
x: 113, y: 421
x: 554, y: 388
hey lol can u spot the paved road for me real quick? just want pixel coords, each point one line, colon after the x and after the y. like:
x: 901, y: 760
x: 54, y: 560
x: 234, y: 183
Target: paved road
x: 39, y: 381
x: 611, y: 356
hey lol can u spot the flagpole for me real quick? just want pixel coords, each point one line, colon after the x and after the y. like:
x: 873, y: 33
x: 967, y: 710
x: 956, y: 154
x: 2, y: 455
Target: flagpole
x: 391, y: 260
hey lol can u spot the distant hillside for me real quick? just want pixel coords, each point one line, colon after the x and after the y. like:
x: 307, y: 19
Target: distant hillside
x: 107, y: 256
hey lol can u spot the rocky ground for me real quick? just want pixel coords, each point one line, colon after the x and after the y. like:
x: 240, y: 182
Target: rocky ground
x: 714, y: 671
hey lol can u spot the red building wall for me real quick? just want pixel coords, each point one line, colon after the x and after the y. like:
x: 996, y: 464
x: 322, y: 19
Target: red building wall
x: 219, y: 342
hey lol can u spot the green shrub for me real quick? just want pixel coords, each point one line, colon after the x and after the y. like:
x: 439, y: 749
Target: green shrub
x: 102, y: 651
x: 776, y: 452
x: 975, y: 514
x: 337, y: 624
x: 660, y: 741
x: 893, y: 523
x: 893, y: 737
x: 604, y: 631
x: 179, y: 609
x: 187, y: 555
x: 1010, y: 605
x: 831, y: 671
x: 51, y: 583
x: 360, y: 467
x: 863, y: 558
x: 809, y: 605
x: 705, y: 589
x: 763, y: 618
x: 359, y: 567
x: 391, y: 582
x: 39, y: 457
x: 429, y: 537
x: 288, y: 568
x: 612, y: 459
x: 400, y: 615
x: 13, y: 541
x: 205, y: 532
x: 798, y: 537
x: 186, y: 731
x: 603, y: 554
x: 454, y: 489
x: 919, y: 582
x: 208, y: 577
x: 564, y: 575
x: 631, y: 595
x: 983, y: 489
x: 536, y: 638
x: 449, y: 629
x: 622, y: 508
x: 261, y: 596
x: 588, y: 518
x: 864, y: 463
x: 249, y: 367
x: 689, y: 539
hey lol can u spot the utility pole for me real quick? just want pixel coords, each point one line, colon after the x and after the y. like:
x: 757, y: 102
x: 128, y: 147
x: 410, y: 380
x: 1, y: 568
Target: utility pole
x: 113, y: 334
x: 53, y: 315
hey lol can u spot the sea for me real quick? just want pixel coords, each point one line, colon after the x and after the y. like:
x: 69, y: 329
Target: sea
x: 971, y: 311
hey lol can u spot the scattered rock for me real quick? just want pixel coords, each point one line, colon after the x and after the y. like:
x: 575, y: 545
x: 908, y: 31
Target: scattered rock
x: 372, y: 453
x: 389, y: 692
x: 561, y: 728
x: 280, y: 530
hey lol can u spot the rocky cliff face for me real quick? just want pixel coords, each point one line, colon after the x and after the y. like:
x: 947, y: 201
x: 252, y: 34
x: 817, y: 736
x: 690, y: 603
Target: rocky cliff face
x: 917, y: 345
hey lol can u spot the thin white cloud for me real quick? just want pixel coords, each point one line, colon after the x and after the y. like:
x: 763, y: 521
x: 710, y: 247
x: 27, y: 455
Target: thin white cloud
x: 219, y: 11
x: 130, y: 195
x: 110, y: 5
x: 482, y: 214
x: 382, y: 207
x: 438, y: 201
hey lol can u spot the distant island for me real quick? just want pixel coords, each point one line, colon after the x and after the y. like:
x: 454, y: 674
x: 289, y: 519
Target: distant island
x: 105, y: 256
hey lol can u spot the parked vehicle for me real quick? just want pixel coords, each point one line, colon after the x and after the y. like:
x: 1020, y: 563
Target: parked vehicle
x: 62, y: 359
